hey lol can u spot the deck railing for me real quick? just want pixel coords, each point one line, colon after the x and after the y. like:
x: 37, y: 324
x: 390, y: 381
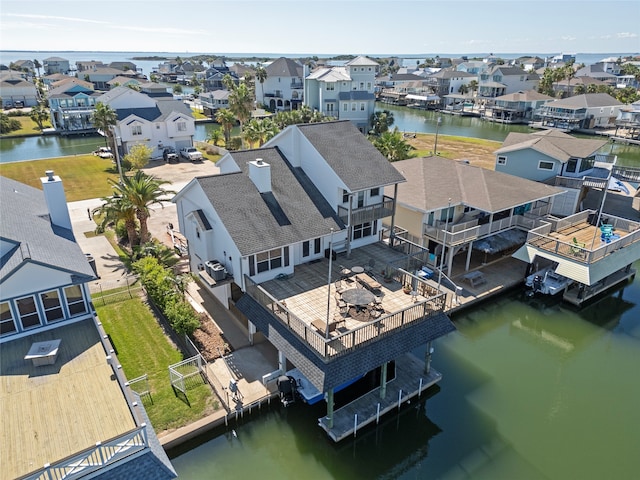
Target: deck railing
x: 341, y: 344
x: 94, y: 458
x: 541, y: 239
x: 367, y: 213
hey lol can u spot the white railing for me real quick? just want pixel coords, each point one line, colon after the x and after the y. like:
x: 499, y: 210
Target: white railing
x: 95, y: 458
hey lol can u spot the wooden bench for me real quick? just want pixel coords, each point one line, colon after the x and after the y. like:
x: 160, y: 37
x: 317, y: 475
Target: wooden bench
x: 368, y: 281
x: 321, y: 325
x: 475, y: 278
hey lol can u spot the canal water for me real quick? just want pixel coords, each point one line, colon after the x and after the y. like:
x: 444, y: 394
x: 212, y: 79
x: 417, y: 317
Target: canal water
x: 406, y: 119
x: 531, y: 389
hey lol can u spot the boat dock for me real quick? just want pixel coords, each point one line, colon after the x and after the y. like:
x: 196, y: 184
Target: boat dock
x: 411, y: 381
x: 577, y: 296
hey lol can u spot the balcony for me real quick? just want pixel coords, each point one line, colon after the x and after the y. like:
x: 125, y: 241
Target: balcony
x: 465, y: 232
x: 368, y: 213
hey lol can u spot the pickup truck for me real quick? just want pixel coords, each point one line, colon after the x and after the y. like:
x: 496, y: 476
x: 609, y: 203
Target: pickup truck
x: 191, y: 153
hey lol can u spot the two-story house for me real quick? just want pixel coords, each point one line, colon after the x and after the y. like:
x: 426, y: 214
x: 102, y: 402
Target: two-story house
x: 15, y: 90
x: 59, y: 376
x: 150, y: 117
x: 283, y: 89
x: 463, y: 208
x: 502, y: 79
x: 285, y: 231
x: 580, y: 112
x: 71, y: 105
x: 53, y: 65
x: 628, y: 121
x: 518, y: 107
x: 345, y: 93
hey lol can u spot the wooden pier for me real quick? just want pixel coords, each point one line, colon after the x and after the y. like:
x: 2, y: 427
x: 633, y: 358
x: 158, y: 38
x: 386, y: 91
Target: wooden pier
x: 411, y: 381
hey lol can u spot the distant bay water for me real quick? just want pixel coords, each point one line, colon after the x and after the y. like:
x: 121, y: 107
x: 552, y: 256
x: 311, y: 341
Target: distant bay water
x: 147, y: 66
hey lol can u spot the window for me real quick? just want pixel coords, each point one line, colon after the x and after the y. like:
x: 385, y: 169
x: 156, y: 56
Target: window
x: 545, y: 165
x: 353, y: 107
x: 362, y: 107
x: 360, y: 199
x: 270, y: 260
x: 136, y: 130
x: 374, y: 192
x: 7, y: 325
x: 305, y: 248
x: 368, y: 85
x: 75, y: 300
x: 331, y: 86
x: 364, y: 230
x: 52, y: 306
x: 345, y: 196
x: 361, y: 85
x: 345, y: 107
x: 28, y: 312
x: 572, y: 165
x: 182, y: 126
x: 502, y: 160
x: 316, y: 245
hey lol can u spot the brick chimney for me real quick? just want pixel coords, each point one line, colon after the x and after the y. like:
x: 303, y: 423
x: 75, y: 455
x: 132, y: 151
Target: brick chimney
x: 56, y: 200
x: 260, y: 175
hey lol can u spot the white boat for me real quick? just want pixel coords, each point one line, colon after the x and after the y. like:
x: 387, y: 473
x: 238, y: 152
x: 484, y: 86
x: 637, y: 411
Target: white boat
x: 547, y: 282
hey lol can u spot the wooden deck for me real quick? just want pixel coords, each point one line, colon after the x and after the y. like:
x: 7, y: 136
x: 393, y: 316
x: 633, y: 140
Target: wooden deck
x: 53, y: 411
x: 410, y: 380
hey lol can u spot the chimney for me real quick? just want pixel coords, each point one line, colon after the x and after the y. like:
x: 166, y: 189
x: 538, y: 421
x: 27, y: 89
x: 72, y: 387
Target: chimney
x: 56, y: 200
x: 260, y: 175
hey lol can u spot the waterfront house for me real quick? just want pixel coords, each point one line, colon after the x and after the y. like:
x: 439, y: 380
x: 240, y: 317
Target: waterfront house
x: 53, y: 65
x: 515, y: 107
x: 567, y: 87
x: 59, y: 376
x: 71, y: 105
x: 283, y: 89
x: 628, y: 122
x: 503, y: 79
x: 285, y: 231
x: 213, y: 101
x: 464, y: 209
x: 215, y: 73
x: 150, y: 117
x: 100, y: 76
x: 87, y: 65
x: 345, y: 93
x: 581, y: 112
x: 529, y: 63
x: 15, y: 89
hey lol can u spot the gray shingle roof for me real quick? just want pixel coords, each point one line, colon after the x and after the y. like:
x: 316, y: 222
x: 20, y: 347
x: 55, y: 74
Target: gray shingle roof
x: 432, y: 181
x: 25, y: 223
x: 553, y: 143
x: 588, y: 100
x: 284, y: 67
x: 294, y: 211
x: 348, y: 152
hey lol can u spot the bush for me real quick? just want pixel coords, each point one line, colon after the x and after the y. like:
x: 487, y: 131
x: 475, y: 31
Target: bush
x: 8, y: 125
x: 182, y: 317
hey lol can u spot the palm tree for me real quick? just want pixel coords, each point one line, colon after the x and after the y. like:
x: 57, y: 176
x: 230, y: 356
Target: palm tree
x: 103, y: 118
x: 215, y: 136
x: 393, y: 146
x: 261, y: 76
x: 37, y: 66
x: 381, y: 121
x: 259, y: 131
x: 114, y: 210
x: 241, y: 103
x: 227, y: 120
x: 142, y: 191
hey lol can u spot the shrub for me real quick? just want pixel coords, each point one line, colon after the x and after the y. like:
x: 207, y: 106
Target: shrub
x: 8, y: 125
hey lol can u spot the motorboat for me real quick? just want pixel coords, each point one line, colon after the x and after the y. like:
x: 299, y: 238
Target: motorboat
x: 547, y: 282
x: 288, y: 389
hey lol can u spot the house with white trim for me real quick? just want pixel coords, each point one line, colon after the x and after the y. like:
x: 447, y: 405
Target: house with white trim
x: 504, y: 79
x: 15, y: 88
x: 71, y: 105
x: 580, y: 112
x: 345, y: 93
x: 59, y: 375
x: 518, y: 107
x: 283, y: 229
x: 150, y: 117
x: 283, y: 89
x: 53, y: 65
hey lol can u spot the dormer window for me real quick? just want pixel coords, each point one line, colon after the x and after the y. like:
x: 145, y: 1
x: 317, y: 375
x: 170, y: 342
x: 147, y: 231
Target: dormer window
x: 136, y: 130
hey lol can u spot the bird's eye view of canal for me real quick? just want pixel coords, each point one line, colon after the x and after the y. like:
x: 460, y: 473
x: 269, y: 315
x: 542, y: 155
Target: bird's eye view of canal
x: 531, y: 389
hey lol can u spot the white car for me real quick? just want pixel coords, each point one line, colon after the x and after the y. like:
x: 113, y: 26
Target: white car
x: 103, y: 152
x: 191, y: 153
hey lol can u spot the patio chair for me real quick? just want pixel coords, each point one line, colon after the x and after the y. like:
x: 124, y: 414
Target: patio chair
x: 370, y: 266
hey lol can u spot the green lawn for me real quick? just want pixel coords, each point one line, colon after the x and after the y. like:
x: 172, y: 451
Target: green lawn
x: 29, y: 127
x: 142, y: 348
x: 85, y: 176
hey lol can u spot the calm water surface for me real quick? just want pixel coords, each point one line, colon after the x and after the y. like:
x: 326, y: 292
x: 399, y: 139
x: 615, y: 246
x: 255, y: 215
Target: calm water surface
x: 531, y: 389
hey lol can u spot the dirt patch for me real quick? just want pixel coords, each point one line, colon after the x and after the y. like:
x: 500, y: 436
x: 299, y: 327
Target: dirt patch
x: 479, y: 152
x: 208, y: 339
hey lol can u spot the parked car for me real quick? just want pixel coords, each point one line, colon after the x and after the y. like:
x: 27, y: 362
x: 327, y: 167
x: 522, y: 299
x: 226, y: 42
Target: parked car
x: 169, y: 154
x: 191, y: 153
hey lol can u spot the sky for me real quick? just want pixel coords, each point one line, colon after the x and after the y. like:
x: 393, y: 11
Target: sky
x: 322, y: 27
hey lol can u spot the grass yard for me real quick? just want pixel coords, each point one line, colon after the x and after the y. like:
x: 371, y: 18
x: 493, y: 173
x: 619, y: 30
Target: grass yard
x: 85, y: 176
x: 478, y: 151
x: 142, y: 347
x: 29, y: 127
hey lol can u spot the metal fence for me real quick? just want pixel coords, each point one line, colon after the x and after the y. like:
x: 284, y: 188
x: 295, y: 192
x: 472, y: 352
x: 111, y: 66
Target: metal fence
x: 114, y: 291
x: 187, y: 374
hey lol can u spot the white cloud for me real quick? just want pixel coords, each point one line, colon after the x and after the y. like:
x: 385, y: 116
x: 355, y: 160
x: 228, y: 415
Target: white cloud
x: 626, y: 35
x: 163, y: 30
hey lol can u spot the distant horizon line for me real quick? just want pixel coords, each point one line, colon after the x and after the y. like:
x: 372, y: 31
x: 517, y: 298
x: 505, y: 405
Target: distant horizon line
x: 271, y: 54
